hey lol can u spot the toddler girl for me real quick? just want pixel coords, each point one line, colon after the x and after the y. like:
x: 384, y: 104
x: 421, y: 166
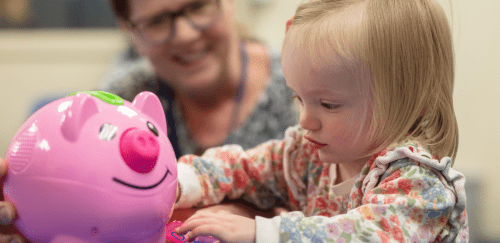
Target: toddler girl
x: 371, y: 160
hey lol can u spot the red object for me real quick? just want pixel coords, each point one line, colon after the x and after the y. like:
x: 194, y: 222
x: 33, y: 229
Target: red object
x: 171, y: 235
x: 175, y: 238
x: 289, y: 23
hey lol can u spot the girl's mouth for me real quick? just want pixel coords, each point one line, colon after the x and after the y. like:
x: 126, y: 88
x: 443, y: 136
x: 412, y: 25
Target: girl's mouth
x: 315, y: 143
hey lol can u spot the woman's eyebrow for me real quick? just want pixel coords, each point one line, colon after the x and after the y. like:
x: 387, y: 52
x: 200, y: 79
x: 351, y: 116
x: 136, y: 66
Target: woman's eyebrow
x: 163, y: 12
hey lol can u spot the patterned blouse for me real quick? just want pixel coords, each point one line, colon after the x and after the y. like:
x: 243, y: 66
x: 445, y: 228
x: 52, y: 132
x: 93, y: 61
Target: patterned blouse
x: 274, y: 112
x: 401, y: 194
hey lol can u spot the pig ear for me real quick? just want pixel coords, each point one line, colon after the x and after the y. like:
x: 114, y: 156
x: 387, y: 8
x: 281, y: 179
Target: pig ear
x: 150, y: 105
x: 82, y: 107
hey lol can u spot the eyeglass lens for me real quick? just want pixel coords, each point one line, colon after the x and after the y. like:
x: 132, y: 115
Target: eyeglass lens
x: 200, y: 14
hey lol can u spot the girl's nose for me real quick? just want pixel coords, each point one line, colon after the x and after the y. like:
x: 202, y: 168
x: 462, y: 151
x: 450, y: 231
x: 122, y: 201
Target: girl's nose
x: 308, y: 120
x: 184, y: 31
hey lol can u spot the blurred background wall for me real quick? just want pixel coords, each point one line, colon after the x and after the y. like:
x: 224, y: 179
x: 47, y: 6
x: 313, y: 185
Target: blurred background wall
x: 55, y: 47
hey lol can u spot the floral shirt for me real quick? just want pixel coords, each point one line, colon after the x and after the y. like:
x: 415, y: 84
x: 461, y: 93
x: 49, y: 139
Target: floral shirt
x: 401, y: 195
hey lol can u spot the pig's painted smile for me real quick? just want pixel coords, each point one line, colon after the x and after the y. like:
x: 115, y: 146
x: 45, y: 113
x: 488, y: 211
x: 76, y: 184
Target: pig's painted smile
x: 143, y: 187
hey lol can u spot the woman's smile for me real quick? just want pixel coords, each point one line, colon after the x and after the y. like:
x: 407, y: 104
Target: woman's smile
x: 191, y: 58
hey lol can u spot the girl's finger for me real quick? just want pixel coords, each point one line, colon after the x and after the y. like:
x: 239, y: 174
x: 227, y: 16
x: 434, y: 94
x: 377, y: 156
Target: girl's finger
x: 201, y: 214
x: 207, y: 215
x: 196, y: 222
x: 215, y: 231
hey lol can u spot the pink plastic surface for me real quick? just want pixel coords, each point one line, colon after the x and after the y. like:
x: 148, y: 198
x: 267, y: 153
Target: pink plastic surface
x: 82, y: 170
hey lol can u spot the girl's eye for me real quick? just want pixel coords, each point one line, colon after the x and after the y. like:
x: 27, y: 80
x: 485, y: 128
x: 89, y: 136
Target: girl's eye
x: 329, y: 106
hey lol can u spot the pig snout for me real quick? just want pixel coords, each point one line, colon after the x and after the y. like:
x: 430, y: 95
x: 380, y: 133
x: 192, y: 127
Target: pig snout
x: 139, y: 150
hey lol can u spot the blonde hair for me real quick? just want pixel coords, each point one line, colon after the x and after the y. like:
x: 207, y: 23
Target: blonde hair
x: 406, y: 48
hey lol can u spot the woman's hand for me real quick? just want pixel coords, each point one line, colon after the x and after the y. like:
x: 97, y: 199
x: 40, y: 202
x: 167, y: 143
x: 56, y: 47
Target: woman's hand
x: 8, y: 234
x: 222, y: 225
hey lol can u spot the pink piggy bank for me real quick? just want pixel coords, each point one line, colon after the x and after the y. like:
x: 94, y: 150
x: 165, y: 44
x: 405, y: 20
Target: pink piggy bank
x: 92, y: 167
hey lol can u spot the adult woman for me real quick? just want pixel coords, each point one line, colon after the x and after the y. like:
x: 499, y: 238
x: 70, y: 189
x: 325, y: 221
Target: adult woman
x: 216, y: 87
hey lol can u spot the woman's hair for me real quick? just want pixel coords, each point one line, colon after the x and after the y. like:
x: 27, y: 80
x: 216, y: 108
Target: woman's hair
x: 406, y: 49
x: 121, y: 9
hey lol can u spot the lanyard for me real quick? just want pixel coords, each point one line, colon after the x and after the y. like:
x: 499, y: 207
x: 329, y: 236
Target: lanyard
x: 168, y: 93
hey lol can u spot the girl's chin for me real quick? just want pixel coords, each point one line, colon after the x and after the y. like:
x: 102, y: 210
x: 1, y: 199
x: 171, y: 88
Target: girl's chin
x: 330, y: 158
x: 326, y: 158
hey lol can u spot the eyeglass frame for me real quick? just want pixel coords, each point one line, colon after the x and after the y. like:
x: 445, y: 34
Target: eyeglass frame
x: 173, y: 17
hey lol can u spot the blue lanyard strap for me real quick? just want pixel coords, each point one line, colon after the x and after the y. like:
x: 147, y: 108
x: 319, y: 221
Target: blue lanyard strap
x: 241, y: 88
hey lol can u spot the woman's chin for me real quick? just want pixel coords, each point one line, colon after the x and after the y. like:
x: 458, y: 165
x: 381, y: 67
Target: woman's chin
x: 202, y: 81
x: 201, y: 86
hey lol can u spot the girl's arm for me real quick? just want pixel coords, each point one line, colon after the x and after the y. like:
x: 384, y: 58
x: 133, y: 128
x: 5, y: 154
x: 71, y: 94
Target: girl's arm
x: 256, y: 174
x: 412, y: 202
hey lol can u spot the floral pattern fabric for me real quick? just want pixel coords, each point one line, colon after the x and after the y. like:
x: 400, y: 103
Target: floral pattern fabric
x: 401, y: 194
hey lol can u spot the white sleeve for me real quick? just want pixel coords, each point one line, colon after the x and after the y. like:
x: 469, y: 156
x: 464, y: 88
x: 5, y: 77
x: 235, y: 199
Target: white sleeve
x: 267, y: 230
x: 191, y: 191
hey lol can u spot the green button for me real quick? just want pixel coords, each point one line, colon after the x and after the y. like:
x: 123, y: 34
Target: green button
x: 104, y: 96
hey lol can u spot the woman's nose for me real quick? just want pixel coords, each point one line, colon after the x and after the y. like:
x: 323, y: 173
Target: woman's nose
x: 184, y: 31
x: 308, y: 120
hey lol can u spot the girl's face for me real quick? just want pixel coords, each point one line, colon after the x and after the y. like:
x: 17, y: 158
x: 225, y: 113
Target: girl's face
x: 193, y: 58
x: 334, y: 109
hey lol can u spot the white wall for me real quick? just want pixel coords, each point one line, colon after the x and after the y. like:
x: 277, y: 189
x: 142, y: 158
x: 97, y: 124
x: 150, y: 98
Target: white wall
x: 477, y: 101
x: 33, y: 64
x: 266, y: 18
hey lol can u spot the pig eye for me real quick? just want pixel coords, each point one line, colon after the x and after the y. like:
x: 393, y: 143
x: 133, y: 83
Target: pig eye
x: 152, y: 128
x: 107, y: 132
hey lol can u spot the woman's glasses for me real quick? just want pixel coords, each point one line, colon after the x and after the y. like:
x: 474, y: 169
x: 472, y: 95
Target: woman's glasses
x: 159, y: 29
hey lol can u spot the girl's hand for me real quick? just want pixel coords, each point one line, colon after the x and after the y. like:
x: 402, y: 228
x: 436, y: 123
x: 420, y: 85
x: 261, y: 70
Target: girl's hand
x: 221, y: 225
